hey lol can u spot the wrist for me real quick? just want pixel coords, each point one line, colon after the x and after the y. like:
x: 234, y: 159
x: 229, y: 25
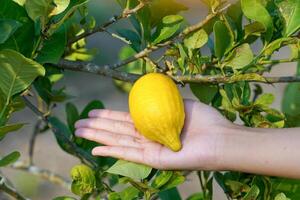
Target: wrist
x: 236, y: 145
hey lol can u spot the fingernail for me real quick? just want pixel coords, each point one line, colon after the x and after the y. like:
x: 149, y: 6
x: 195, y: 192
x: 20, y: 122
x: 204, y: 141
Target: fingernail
x: 94, y: 152
x: 77, y: 124
x: 78, y: 133
x: 91, y: 113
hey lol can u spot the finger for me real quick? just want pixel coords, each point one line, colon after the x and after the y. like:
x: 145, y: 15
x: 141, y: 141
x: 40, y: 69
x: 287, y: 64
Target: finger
x: 108, y: 138
x: 110, y: 114
x: 124, y: 153
x: 114, y: 126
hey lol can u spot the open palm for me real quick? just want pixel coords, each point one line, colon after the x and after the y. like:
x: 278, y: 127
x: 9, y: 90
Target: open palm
x: 200, y: 138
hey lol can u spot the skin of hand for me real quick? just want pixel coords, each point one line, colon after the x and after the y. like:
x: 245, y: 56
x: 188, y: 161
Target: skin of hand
x: 200, y: 137
x: 209, y: 142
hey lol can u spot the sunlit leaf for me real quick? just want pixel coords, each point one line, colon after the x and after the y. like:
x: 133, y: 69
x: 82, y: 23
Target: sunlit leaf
x: 167, y: 28
x: 196, y: 39
x: 290, y: 10
x: 240, y: 57
x: 60, y: 6
x: 38, y: 8
x: 281, y: 196
x: 253, y: 9
x: 129, y: 169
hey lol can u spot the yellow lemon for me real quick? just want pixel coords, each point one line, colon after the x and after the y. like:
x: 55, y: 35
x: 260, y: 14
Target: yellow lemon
x: 157, y: 109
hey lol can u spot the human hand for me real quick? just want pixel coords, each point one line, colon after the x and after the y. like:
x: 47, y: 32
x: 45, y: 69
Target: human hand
x: 201, y: 138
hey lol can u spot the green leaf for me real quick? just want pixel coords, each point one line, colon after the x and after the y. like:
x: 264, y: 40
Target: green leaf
x: 162, y: 178
x: 114, y: 196
x: 43, y: 85
x: 176, y: 179
x: 20, y: 2
x: 171, y: 194
x: 291, y: 102
x: 131, y: 36
x: 14, y: 105
x: 23, y: 38
x: 96, y: 104
x: 240, y: 57
x: 265, y: 99
x: 236, y: 15
x: 60, y: 6
x: 8, y: 28
x: 129, y: 169
x: 17, y: 73
x: 167, y: 28
x: 277, y: 44
x: 253, y: 9
x: 254, y: 29
x: 53, y: 48
x: 237, y: 187
x: 252, y: 194
x: 9, y: 159
x: 226, y: 102
x: 64, y: 198
x: 83, y: 180
x: 196, y: 39
x: 290, y: 187
x: 223, y: 39
x: 220, y: 178
x: 66, y: 14
x: 196, y: 196
x: 204, y: 92
x: 9, y: 128
x: 62, y: 134
x: 161, y: 8
x: 183, y: 57
x: 39, y: 8
x: 290, y: 10
x: 129, y: 193
x: 281, y: 196
x: 72, y: 115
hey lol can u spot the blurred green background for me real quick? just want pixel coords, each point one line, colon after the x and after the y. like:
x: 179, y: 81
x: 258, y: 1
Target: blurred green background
x: 87, y: 87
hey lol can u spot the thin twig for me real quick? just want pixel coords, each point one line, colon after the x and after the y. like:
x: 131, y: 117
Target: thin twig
x: 36, y: 131
x: 34, y: 109
x: 129, y: 77
x: 10, y: 190
x: 216, y: 79
x: 96, y: 69
x: 42, y: 173
x: 126, y: 13
x: 272, y: 62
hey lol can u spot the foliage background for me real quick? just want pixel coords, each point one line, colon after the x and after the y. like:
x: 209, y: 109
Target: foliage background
x: 87, y: 87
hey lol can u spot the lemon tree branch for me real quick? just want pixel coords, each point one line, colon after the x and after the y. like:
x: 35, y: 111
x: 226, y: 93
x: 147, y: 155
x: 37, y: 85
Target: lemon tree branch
x: 102, y: 28
x: 10, y: 190
x: 129, y: 77
x: 42, y: 173
x: 184, y: 33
